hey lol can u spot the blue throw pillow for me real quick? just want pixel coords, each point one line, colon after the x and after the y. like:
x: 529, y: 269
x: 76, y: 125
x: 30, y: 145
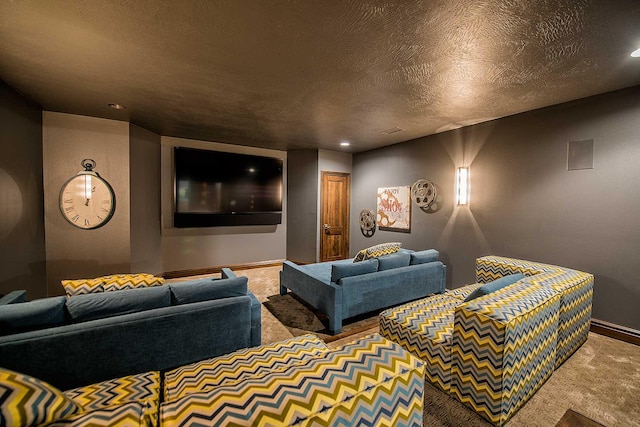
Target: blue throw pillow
x: 399, y: 259
x: 207, y: 289
x: 500, y: 283
x: 29, y: 316
x: 107, y: 304
x: 338, y: 271
x: 423, y: 257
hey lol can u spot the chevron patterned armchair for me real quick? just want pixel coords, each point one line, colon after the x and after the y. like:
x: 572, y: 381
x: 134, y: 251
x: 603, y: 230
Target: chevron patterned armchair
x: 494, y: 351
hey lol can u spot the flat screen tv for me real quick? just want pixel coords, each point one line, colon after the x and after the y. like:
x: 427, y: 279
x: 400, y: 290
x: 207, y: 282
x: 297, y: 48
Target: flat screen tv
x: 215, y: 188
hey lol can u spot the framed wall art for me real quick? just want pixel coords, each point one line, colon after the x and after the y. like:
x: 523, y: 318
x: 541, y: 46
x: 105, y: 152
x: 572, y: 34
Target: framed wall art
x: 393, y: 208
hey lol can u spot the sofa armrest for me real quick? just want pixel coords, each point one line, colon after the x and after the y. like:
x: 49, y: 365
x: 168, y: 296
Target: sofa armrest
x: 326, y: 297
x: 14, y: 297
x: 256, y: 321
x: 504, y: 348
x: 227, y: 273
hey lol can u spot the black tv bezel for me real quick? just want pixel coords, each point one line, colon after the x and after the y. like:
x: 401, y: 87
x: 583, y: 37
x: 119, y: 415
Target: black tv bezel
x: 202, y: 220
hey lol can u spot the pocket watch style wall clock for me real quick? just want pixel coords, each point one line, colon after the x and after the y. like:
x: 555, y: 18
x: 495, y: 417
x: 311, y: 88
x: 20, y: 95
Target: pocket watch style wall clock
x: 87, y: 201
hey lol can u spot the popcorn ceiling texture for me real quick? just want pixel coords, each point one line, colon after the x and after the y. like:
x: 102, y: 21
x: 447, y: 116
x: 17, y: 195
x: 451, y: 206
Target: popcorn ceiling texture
x: 303, y: 74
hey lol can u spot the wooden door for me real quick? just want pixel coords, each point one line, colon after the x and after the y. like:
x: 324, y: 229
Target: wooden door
x: 334, y: 216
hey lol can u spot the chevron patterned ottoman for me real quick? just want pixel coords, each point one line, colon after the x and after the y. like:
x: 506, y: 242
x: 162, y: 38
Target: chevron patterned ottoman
x: 493, y: 352
x: 425, y: 328
x: 372, y: 381
x: 575, y: 289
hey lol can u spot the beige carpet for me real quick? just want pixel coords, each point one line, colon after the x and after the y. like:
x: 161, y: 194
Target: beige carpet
x: 601, y: 380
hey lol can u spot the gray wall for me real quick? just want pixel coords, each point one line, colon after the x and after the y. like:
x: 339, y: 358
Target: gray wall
x: 71, y: 252
x: 196, y: 248
x: 146, y: 239
x: 524, y: 202
x: 22, y: 246
x: 302, y: 205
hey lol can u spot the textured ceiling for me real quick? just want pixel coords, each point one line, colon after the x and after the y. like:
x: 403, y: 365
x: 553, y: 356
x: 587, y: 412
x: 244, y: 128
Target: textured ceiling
x: 294, y: 74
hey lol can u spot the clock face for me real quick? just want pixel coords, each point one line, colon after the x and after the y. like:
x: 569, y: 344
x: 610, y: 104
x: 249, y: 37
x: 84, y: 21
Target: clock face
x: 87, y: 201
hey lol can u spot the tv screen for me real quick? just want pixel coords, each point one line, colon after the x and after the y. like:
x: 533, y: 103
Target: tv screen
x: 214, y: 188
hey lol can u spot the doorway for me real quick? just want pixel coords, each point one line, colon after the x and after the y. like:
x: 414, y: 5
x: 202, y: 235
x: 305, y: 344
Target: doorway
x: 335, y: 200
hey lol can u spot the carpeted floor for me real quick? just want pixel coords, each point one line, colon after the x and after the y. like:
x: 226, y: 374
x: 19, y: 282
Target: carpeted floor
x: 601, y: 380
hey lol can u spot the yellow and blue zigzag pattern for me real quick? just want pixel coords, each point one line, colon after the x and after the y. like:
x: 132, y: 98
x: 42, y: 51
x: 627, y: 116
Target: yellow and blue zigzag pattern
x: 575, y: 288
x: 237, y: 366
x: 372, y: 382
x: 125, y: 415
x: 424, y: 328
x: 500, y: 360
x: 142, y: 388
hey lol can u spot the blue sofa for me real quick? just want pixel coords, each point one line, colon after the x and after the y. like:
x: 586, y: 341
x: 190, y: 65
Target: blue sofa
x: 83, y: 339
x: 343, y: 289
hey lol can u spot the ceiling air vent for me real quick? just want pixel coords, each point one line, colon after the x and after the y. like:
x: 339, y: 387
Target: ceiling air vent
x: 392, y: 130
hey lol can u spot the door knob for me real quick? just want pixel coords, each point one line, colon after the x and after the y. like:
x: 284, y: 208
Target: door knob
x: 326, y: 228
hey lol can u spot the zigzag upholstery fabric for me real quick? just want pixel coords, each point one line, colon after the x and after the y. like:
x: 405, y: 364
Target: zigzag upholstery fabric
x: 82, y: 286
x: 118, y: 282
x: 575, y: 288
x: 370, y: 382
x: 27, y: 401
x: 125, y: 415
x: 240, y: 365
x: 377, y: 251
x: 503, y: 349
x: 494, y: 352
x: 141, y: 388
x: 425, y: 328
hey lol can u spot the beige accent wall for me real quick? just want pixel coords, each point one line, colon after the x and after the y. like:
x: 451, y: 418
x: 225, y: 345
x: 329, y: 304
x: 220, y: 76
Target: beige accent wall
x: 71, y: 252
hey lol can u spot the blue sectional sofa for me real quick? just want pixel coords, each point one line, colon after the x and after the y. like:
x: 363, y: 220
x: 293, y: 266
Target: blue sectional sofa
x: 343, y: 289
x: 84, y: 339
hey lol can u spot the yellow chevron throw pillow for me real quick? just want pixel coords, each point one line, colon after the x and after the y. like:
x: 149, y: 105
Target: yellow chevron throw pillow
x: 118, y: 282
x: 377, y: 251
x: 82, y: 286
x: 27, y: 401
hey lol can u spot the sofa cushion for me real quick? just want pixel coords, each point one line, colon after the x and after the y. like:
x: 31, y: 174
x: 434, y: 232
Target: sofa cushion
x: 338, y: 271
x: 119, y: 282
x: 82, y: 286
x: 422, y: 257
x: 128, y: 414
x: 233, y: 368
x: 32, y: 315
x: 108, y: 304
x: 27, y: 401
x: 399, y: 259
x: 490, y: 287
x: 377, y: 251
x: 207, y: 289
x: 143, y: 388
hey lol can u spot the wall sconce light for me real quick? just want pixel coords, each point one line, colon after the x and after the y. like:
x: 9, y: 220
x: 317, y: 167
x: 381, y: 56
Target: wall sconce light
x: 462, y: 186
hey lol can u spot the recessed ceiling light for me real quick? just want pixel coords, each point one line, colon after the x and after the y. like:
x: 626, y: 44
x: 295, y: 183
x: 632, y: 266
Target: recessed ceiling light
x: 636, y: 53
x: 345, y: 144
x: 117, y: 106
x: 392, y: 130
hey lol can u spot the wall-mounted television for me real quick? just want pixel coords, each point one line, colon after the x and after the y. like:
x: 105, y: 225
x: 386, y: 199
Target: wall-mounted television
x: 216, y: 188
